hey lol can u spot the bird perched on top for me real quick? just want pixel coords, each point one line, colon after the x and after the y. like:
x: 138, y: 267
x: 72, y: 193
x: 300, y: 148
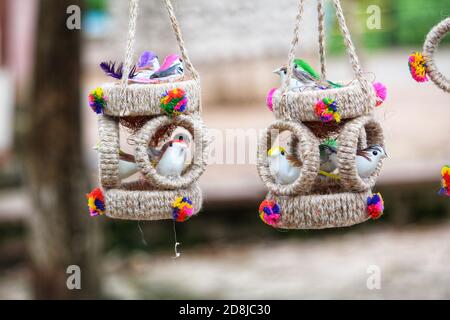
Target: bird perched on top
x: 304, y: 67
x: 147, y: 65
x: 148, y: 69
x: 366, y: 159
x: 171, y: 67
x: 304, y: 77
x: 283, y: 167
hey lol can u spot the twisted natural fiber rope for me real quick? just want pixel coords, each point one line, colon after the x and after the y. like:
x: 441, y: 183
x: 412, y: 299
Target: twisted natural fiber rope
x: 108, y: 151
x: 195, y: 126
x: 134, y: 201
x: 321, y: 17
x: 294, y: 44
x: 432, y: 41
x: 307, y: 151
x: 321, y: 211
x: 134, y: 5
x: 177, y: 31
x: 348, y: 41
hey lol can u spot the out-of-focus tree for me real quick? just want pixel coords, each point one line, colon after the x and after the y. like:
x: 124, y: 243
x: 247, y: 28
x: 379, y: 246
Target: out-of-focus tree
x: 62, y: 233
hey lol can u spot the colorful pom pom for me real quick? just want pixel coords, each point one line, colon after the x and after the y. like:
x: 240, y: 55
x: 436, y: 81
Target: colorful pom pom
x: 182, y: 209
x: 97, y: 100
x: 445, y: 182
x: 418, y: 67
x: 375, y: 206
x: 174, y: 102
x: 381, y: 92
x: 326, y: 110
x: 96, y: 202
x: 269, y: 100
x: 269, y: 212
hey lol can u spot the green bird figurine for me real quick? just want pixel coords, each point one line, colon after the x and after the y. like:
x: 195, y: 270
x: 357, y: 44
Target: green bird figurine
x: 305, y: 67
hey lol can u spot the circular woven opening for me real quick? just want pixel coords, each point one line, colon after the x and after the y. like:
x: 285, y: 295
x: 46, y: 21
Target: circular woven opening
x: 195, y: 126
x: 321, y: 211
x: 356, y: 99
x: 136, y: 201
x: 144, y: 99
x: 306, y: 148
x: 430, y: 46
x: 357, y: 134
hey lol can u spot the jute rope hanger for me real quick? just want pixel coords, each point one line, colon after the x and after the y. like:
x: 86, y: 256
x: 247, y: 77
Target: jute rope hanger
x: 430, y: 45
x: 134, y: 6
x: 350, y: 48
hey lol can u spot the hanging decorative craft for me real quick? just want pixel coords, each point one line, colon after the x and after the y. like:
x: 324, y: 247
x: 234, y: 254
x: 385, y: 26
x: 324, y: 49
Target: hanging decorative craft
x: 153, y: 100
x: 325, y: 178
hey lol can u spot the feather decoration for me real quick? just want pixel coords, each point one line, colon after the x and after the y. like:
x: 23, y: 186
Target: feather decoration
x: 110, y: 69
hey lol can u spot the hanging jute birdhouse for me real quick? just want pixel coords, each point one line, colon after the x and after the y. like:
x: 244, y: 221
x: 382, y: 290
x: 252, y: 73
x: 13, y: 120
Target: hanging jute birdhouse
x: 335, y: 119
x: 155, y: 110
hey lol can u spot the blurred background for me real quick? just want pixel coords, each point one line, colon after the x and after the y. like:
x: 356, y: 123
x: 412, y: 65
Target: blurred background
x: 47, y: 164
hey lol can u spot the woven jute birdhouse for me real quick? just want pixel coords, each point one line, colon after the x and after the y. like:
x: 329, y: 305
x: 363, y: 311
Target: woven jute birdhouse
x: 152, y: 196
x: 314, y: 200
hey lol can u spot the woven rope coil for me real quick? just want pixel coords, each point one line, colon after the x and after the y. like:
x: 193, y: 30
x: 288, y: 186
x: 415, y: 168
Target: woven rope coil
x: 196, y: 127
x: 306, y: 149
x: 348, y: 142
x: 144, y: 99
x: 430, y: 46
x: 108, y: 151
x: 321, y: 211
x: 133, y: 201
x: 352, y: 102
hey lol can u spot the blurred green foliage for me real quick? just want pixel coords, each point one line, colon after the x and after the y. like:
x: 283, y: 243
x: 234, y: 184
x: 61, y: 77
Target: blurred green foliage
x: 97, y: 5
x: 403, y: 23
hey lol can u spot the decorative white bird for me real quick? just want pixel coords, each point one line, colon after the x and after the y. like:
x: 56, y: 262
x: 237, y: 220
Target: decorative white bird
x: 171, y: 159
x: 294, y: 84
x: 147, y: 65
x: 367, y: 159
x: 283, y: 167
x: 171, y: 67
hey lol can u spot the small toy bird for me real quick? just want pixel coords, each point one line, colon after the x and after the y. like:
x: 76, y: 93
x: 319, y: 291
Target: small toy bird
x: 147, y: 65
x: 171, y: 67
x: 304, y: 77
x: 298, y: 82
x: 283, y: 167
x: 171, y: 159
x: 367, y: 159
x: 305, y: 68
x: 328, y: 156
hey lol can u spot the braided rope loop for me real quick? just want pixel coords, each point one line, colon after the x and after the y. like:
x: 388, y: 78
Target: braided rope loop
x: 431, y: 43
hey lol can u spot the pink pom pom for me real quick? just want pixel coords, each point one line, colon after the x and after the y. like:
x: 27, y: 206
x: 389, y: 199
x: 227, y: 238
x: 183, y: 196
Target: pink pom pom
x: 269, y: 99
x: 381, y: 92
